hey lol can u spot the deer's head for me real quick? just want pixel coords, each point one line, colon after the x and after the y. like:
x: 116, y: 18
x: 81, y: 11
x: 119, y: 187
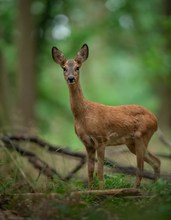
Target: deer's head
x: 71, y: 67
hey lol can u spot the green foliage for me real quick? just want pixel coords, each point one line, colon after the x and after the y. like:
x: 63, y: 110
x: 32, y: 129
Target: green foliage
x: 112, y: 182
x: 116, y: 181
x: 161, y: 188
x: 58, y: 186
x: 128, y: 56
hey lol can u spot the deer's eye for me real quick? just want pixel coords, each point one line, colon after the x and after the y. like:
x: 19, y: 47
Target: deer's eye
x: 77, y: 68
x: 64, y: 69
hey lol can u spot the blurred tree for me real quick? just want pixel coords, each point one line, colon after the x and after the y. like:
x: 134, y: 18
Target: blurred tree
x: 4, y: 102
x: 165, y: 79
x: 26, y: 77
x: 5, y: 90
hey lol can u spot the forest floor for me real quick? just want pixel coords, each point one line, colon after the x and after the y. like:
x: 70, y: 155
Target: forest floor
x: 57, y: 202
x: 26, y: 193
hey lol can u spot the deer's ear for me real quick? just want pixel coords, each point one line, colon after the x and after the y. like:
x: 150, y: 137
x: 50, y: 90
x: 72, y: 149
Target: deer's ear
x: 58, y: 56
x: 82, y: 54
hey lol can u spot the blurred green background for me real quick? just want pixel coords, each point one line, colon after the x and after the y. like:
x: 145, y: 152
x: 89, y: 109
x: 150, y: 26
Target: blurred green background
x: 129, y: 61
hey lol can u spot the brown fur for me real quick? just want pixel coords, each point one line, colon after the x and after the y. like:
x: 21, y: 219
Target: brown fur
x: 99, y: 125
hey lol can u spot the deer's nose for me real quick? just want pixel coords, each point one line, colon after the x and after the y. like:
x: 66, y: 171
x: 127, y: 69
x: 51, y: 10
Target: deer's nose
x: 71, y: 79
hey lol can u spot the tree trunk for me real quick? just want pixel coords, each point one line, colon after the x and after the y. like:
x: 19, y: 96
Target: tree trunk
x: 4, y: 101
x: 165, y: 106
x: 26, y: 78
x: 165, y: 84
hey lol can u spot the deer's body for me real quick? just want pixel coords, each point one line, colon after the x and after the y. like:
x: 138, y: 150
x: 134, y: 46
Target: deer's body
x: 98, y: 125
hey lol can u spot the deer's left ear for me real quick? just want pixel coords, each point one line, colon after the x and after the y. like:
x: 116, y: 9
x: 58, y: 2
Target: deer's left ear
x: 58, y: 56
x: 82, y: 54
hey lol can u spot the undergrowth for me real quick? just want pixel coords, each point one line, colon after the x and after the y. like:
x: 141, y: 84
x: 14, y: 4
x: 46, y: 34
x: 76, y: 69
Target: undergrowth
x: 15, y: 186
x: 154, y: 204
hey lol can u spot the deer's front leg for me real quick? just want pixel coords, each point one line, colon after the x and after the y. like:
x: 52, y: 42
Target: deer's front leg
x: 91, y: 164
x: 100, y: 165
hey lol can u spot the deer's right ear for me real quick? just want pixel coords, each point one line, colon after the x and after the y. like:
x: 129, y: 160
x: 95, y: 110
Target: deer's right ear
x: 58, y: 56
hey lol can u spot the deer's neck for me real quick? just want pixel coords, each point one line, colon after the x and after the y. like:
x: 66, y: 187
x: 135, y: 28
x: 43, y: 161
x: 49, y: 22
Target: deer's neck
x: 77, y: 100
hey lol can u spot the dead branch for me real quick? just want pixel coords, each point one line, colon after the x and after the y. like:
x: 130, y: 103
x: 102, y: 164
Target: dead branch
x: 32, y: 158
x: 76, y: 169
x: 111, y: 192
x: 131, y: 170
x: 40, y: 164
x: 127, y: 170
x: 166, y: 156
x: 44, y: 144
x: 20, y: 169
x: 10, y: 142
x: 163, y: 139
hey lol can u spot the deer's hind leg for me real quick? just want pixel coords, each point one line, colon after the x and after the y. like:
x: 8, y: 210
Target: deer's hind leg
x: 154, y: 162
x: 100, y: 165
x: 138, y: 148
x: 148, y: 157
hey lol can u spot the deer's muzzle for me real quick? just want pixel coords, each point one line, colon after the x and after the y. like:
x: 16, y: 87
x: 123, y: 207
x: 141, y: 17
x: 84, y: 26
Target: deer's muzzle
x: 71, y: 79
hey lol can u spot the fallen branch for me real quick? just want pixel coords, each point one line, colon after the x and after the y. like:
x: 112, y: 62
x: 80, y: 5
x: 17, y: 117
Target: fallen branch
x: 132, y: 170
x: 20, y: 170
x: 40, y: 164
x: 32, y: 158
x: 110, y: 192
x: 43, y: 167
x: 163, y: 139
x: 44, y: 144
x: 76, y: 169
x: 166, y: 156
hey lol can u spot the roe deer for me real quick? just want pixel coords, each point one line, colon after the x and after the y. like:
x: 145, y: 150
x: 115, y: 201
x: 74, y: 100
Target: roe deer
x: 98, y: 125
